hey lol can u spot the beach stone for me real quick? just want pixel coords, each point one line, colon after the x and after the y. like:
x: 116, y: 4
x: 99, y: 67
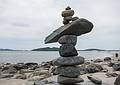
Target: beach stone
x: 67, y: 80
x: 98, y: 60
x: 107, y: 59
x: 95, y: 80
x: 69, y: 71
x: 111, y: 74
x: 92, y: 68
x: 68, y: 39
x: 77, y: 27
x: 117, y: 81
x: 116, y: 66
x: 69, y: 18
x: 9, y: 69
x: 62, y: 61
x: 67, y: 50
x: 67, y: 12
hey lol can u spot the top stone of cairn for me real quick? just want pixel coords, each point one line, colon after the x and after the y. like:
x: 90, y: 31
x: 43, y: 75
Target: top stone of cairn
x: 76, y: 27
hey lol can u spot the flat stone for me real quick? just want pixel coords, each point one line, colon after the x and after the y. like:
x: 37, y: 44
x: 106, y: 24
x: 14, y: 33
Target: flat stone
x: 67, y: 80
x: 67, y: 50
x: 77, y: 27
x: 69, y: 71
x: 95, y: 80
x: 68, y: 39
x: 62, y: 61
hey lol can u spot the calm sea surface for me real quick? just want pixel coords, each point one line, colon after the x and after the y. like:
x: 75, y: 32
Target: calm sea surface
x: 41, y: 56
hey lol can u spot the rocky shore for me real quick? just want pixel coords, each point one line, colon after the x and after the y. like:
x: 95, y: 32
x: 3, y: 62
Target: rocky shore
x: 99, y: 71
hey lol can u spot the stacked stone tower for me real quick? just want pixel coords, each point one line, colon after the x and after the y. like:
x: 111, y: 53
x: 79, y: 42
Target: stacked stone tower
x: 68, y: 69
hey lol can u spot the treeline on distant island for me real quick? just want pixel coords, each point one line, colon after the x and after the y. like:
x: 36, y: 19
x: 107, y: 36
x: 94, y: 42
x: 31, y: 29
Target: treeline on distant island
x: 46, y: 49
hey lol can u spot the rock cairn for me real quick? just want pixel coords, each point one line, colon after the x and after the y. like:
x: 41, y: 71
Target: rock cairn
x: 68, y: 69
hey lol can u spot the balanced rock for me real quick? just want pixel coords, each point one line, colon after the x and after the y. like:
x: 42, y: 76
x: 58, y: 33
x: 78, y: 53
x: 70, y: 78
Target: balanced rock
x: 77, y: 27
x: 69, y: 71
x: 68, y: 39
x: 67, y: 12
x: 67, y: 50
x: 63, y: 61
x: 67, y: 80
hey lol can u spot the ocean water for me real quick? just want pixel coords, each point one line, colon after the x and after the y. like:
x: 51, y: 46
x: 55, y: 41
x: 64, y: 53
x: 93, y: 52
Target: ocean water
x: 42, y: 56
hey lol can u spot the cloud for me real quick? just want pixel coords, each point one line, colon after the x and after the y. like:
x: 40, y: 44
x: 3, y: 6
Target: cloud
x: 32, y: 20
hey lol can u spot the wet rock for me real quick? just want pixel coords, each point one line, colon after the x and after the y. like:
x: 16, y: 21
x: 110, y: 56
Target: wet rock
x: 67, y: 50
x: 98, y: 61
x: 107, y: 59
x: 67, y: 80
x: 116, y: 66
x: 68, y: 39
x: 111, y: 74
x: 92, y: 68
x: 20, y: 76
x: 69, y: 71
x: 6, y: 75
x: 31, y: 63
x: 95, y: 80
x: 117, y: 81
x: 68, y: 61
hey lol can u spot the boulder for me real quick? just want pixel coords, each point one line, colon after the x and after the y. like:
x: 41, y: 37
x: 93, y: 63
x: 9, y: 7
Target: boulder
x: 92, y: 68
x: 77, y: 27
x: 69, y: 71
x: 67, y: 80
x: 67, y: 50
x: 68, y: 39
x: 107, y: 59
x: 68, y: 61
x: 98, y: 61
x: 95, y: 80
x: 116, y: 66
x: 117, y: 81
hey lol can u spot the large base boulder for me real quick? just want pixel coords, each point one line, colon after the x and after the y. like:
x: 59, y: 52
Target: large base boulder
x: 64, y: 61
x: 67, y: 80
x: 69, y: 71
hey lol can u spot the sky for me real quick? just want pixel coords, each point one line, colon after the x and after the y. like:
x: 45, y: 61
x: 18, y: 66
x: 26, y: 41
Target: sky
x: 24, y: 24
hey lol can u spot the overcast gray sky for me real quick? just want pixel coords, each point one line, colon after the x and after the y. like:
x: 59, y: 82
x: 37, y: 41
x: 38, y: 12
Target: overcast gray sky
x: 24, y: 24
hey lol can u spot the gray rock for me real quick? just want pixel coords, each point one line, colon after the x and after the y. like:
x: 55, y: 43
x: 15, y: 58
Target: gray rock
x: 77, y: 27
x: 117, y: 81
x: 69, y: 71
x: 68, y: 61
x: 67, y: 80
x: 67, y: 50
x: 68, y: 39
x: 9, y: 69
x: 107, y: 59
x: 92, y: 68
x: 95, y: 80
x: 116, y: 66
x: 111, y: 74
x: 98, y: 61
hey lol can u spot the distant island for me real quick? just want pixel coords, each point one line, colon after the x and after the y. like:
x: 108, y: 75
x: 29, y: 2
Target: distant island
x: 46, y: 49
x: 6, y: 50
